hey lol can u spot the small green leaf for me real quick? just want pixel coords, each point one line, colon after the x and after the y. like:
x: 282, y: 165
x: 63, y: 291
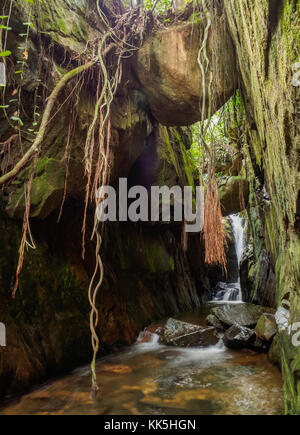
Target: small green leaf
x: 19, y: 71
x: 5, y: 53
x: 16, y: 118
x: 29, y: 24
x: 2, y: 17
x: 4, y: 107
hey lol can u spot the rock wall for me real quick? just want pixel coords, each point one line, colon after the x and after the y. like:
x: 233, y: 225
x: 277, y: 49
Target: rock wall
x: 266, y: 39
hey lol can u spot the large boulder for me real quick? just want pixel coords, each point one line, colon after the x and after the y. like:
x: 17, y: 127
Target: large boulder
x: 243, y: 314
x: 167, y: 68
x: 266, y: 327
x: 183, y: 334
x: 231, y: 191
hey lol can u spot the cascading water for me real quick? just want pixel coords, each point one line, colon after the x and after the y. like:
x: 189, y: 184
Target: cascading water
x: 232, y: 291
x: 238, y: 229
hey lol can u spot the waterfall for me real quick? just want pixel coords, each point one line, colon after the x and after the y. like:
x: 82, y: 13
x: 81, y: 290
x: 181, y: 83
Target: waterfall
x: 232, y: 291
x: 238, y: 230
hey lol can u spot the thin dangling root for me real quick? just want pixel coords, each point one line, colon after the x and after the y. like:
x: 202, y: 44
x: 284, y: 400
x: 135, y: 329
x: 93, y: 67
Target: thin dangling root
x: 25, y: 231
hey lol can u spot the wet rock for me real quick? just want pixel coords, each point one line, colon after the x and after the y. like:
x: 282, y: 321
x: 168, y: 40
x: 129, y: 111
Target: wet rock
x: 266, y: 327
x: 174, y: 328
x: 239, y: 337
x: 243, y: 314
x: 212, y: 320
x: 219, y: 291
x: 226, y: 292
x: 154, y: 329
x: 183, y: 334
x: 145, y: 337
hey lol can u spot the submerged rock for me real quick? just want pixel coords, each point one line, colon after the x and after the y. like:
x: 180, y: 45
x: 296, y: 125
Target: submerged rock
x: 243, y: 314
x: 183, y: 334
x: 239, y: 337
x: 266, y: 327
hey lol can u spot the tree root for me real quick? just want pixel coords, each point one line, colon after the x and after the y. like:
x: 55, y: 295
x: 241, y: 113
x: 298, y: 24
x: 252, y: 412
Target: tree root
x: 35, y: 147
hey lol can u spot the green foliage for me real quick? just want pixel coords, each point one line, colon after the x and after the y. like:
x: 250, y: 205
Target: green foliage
x: 224, y: 129
x: 5, y: 53
x: 162, y: 5
x: 19, y: 72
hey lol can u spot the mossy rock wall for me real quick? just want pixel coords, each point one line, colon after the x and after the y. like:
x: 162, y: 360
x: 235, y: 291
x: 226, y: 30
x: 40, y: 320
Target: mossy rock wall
x: 266, y: 38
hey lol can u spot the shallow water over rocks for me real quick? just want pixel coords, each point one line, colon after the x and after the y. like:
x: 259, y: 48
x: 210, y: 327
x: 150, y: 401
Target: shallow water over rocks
x: 150, y: 378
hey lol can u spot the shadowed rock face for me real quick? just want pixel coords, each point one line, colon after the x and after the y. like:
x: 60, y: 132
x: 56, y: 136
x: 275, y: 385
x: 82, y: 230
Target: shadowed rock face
x: 170, y: 76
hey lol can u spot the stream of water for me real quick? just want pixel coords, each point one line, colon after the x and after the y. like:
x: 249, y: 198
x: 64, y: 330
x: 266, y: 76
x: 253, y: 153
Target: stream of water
x: 149, y: 378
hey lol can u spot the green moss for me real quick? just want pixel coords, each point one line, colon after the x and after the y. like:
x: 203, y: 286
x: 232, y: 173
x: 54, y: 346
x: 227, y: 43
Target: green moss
x: 291, y: 29
x: 47, y: 184
x: 62, y: 25
x: 196, y: 17
x: 171, y: 156
x: 159, y: 260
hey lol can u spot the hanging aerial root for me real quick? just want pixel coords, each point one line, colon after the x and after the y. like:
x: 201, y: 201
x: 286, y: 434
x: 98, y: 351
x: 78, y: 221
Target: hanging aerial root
x: 214, y: 234
x: 25, y: 231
